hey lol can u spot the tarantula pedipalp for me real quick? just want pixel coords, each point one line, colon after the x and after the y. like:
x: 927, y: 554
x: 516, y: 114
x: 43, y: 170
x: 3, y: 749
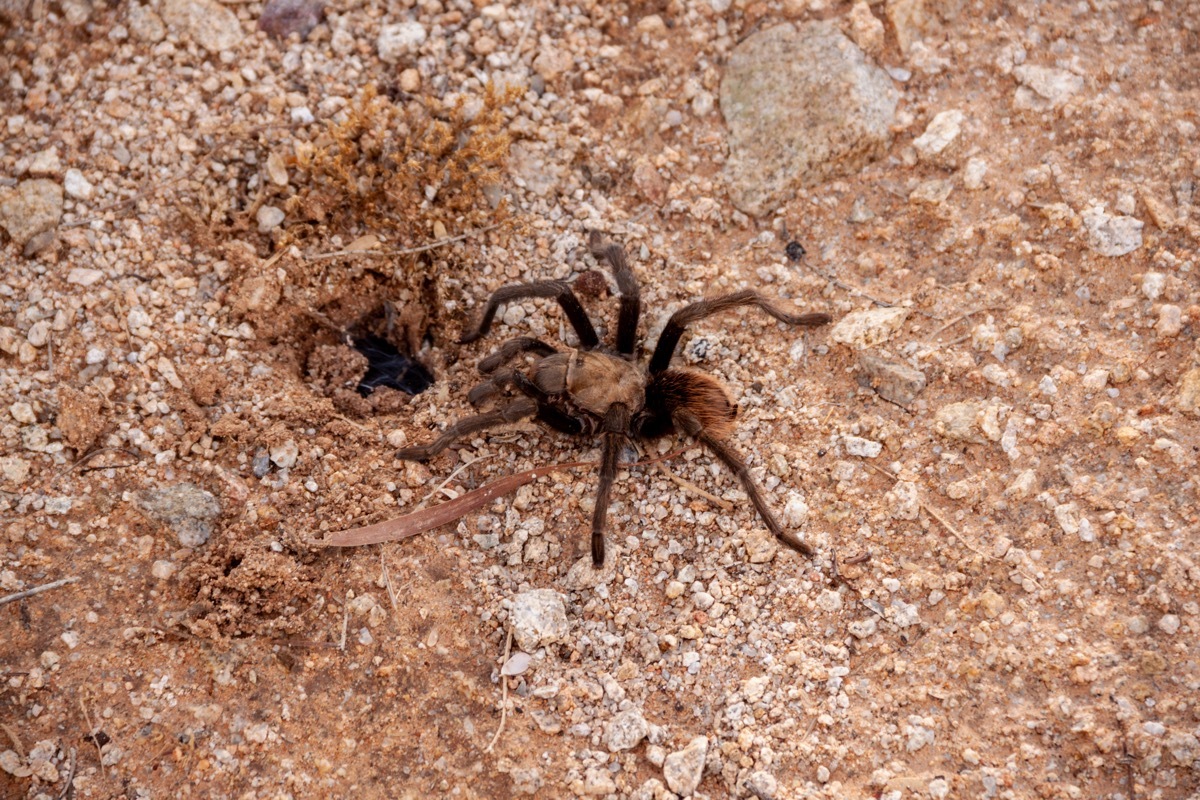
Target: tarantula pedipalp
x: 593, y: 388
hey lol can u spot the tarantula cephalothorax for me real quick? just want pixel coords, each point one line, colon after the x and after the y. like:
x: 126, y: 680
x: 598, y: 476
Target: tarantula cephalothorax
x: 594, y: 388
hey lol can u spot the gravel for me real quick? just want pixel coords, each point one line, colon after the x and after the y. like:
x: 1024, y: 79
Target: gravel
x: 1033, y: 391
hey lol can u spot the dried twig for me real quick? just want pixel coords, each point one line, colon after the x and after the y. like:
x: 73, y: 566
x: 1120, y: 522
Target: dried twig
x: 967, y: 315
x: 345, y: 621
x: 45, y: 587
x: 694, y: 489
x: 426, y: 519
x: 92, y: 734
x: 66, y: 790
x: 937, y: 515
x: 89, y: 456
x: 946, y: 524
x: 387, y: 579
x: 852, y: 289
x: 407, y: 251
x: 457, y: 471
x: 503, y: 693
x: 16, y: 740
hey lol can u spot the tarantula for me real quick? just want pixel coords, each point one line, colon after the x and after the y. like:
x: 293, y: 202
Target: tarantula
x: 594, y: 388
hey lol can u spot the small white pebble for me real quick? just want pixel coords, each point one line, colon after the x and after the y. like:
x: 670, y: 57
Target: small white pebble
x: 1152, y: 285
x: 863, y: 448
x: 76, y: 185
x: 22, y: 413
x: 269, y: 218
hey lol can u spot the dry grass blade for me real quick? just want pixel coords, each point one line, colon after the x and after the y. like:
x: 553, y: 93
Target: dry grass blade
x: 351, y: 252
x: 503, y: 694
x: 426, y: 519
x: 45, y: 587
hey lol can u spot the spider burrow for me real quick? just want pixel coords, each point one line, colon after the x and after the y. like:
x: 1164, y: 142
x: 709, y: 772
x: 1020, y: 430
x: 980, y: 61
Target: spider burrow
x: 594, y: 388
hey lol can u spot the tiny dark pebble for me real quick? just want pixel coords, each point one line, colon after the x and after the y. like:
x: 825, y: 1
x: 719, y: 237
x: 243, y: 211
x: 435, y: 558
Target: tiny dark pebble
x: 261, y: 464
x: 795, y: 251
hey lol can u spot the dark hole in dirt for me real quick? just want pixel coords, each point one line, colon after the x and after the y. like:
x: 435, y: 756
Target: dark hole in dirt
x: 366, y: 362
x: 387, y: 366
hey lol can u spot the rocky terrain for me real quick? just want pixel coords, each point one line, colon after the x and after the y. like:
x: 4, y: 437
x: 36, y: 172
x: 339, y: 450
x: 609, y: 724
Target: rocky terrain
x: 208, y: 207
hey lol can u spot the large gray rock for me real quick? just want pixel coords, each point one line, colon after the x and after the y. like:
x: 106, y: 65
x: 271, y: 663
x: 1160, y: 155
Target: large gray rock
x: 209, y: 24
x: 802, y: 105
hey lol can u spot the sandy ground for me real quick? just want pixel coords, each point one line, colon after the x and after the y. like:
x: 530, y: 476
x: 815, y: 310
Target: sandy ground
x: 1014, y: 610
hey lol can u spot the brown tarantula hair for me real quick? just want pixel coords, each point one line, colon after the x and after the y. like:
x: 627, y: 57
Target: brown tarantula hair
x: 597, y: 389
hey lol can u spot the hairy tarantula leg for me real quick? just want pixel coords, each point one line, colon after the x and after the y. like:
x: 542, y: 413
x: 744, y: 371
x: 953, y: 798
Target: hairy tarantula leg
x: 665, y: 348
x: 615, y: 427
x: 560, y: 421
x: 548, y: 414
x: 490, y: 388
x: 511, y: 349
x: 690, y: 425
x: 513, y: 412
x: 559, y: 290
x: 631, y: 302
x: 501, y: 380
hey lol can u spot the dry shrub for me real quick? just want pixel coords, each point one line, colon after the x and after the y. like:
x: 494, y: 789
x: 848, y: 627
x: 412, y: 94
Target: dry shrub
x: 396, y: 170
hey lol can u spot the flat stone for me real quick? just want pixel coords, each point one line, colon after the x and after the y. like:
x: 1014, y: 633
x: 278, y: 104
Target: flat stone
x: 960, y: 422
x: 863, y: 329
x: 802, y: 105
x: 936, y: 144
x: 538, y: 618
x: 45, y: 163
x: 894, y: 381
x: 684, y: 768
x: 185, y: 508
x: 208, y: 23
x: 1044, y: 88
x: 626, y: 730
x: 282, y: 18
x: 1188, y: 398
x: 1111, y: 235
x: 761, y: 547
x: 863, y: 448
x: 145, y: 24
x: 32, y: 208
